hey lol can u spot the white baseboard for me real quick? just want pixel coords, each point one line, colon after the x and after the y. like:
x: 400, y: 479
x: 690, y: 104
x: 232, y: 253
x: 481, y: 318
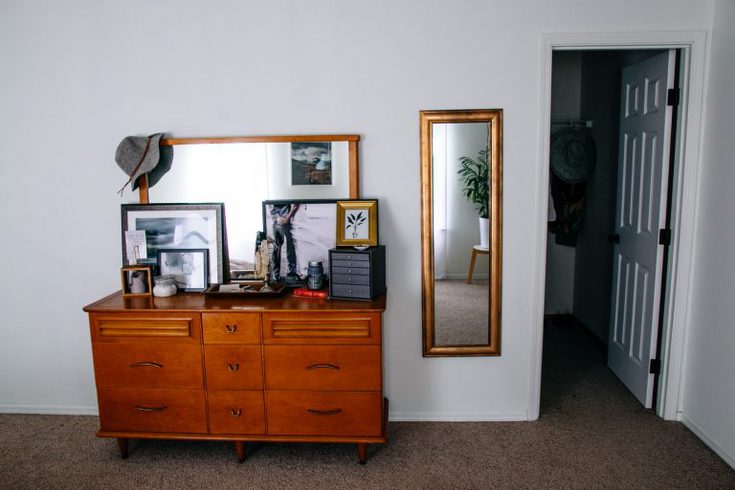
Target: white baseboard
x: 699, y: 432
x: 49, y: 410
x: 509, y: 416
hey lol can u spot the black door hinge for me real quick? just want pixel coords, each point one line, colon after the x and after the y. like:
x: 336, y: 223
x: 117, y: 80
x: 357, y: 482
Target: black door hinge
x: 664, y: 236
x: 654, y: 367
x: 672, y: 97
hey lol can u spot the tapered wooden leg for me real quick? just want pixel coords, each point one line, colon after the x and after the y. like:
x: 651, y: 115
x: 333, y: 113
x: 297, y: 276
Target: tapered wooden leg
x: 362, y: 452
x: 122, y: 443
x: 240, y: 448
x: 472, y: 266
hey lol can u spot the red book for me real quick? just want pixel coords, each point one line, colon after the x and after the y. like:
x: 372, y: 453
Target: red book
x: 309, y: 293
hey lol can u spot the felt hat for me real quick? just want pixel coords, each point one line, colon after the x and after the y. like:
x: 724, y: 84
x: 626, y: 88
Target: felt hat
x: 138, y: 155
x: 572, y: 155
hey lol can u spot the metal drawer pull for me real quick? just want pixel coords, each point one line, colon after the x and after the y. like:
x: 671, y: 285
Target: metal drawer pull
x: 314, y: 411
x: 322, y: 366
x: 146, y: 364
x: 231, y: 328
x: 149, y: 409
x: 233, y: 367
x: 235, y: 412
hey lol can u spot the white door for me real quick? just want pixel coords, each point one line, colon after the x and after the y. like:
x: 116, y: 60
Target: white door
x: 645, y: 134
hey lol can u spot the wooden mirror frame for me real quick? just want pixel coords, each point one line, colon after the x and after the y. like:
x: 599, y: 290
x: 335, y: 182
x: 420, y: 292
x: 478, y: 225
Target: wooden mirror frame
x: 495, y: 143
x: 351, y: 139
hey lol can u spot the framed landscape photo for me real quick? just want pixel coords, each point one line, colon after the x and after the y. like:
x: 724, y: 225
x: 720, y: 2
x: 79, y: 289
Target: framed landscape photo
x: 357, y: 223
x: 177, y: 226
x: 300, y: 231
x: 187, y: 266
x: 311, y: 163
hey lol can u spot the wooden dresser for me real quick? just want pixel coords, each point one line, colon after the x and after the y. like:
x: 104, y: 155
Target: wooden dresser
x: 262, y: 369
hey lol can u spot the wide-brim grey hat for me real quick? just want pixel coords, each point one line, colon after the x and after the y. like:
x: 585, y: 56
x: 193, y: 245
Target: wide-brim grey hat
x: 572, y: 155
x: 138, y: 155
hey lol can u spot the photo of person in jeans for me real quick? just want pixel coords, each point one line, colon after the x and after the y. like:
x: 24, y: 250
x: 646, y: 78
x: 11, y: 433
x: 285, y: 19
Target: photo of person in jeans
x: 282, y: 215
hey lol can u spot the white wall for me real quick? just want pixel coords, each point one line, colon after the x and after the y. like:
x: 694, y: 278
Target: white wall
x: 79, y: 76
x: 709, y: 389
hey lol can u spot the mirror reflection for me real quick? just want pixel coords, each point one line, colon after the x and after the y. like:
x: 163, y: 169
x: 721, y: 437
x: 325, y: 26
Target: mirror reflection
x: 461, y: 162
x: 244, y: 174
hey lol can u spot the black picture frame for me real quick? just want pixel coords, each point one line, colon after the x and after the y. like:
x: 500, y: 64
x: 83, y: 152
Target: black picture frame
x: 188, y: 267
x: 180, y: 226
x: 314, y: 233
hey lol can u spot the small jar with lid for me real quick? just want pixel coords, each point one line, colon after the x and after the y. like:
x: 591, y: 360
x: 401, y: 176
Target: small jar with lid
x: 164, y: 286
x: 315, y: 275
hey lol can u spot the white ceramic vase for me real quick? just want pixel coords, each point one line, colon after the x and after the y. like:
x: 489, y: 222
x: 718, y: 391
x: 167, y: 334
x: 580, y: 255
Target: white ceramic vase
x: 484, y: 232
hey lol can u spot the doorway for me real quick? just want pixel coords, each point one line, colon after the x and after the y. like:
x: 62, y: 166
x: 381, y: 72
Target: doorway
x: 683, y: 184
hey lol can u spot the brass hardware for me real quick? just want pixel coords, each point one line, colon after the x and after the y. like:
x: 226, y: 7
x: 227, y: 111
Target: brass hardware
x: 231, y: 328
x: 235, y: 412
x: 233, y: 367
x: 322, y: 366
x: 146, y: 364
x: 314, y: 411
x: 149, y: 409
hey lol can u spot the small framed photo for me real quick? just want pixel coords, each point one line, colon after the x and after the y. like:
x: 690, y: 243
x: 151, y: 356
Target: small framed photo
x: 311, y: 163
x: 187, y: 266
x: 136, y: 280
x: 357, y: 223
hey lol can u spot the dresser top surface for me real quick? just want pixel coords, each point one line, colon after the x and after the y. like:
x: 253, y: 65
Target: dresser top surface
x: 202, y: 302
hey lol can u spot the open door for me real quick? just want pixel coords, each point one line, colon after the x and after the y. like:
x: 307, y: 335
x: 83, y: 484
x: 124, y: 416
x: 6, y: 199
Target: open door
x: 645, y: 135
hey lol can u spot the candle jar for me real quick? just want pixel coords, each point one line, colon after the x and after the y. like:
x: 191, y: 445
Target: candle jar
x: 164, y: 286
x: 315, y: 275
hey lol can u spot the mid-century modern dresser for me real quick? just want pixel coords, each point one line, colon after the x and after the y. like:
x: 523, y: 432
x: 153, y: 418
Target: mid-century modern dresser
x: 256, y: 369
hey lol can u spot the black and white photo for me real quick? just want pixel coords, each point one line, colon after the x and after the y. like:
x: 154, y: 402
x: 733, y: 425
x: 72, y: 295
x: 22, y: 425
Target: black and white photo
x: 187, y: 267
x: 357, y: 223
x: 311, y: 163
x: 136, y: 280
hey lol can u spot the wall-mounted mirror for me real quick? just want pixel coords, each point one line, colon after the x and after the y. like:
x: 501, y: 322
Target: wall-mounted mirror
x: 461, y: 198
x: 244, y: 171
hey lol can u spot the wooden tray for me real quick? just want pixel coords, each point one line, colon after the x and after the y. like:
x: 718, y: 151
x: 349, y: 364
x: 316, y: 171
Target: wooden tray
x: 247, y: 289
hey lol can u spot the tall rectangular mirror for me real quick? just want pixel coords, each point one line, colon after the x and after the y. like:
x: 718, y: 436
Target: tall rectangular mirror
x: 244, y: 171
x: 461, y: 223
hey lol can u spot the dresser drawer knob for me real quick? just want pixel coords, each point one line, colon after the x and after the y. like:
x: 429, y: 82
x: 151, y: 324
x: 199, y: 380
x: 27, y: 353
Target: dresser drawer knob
x: 233, y: 366
x: 322, y: 366
x: 140, y: 408
x: 235, y: 412
x: 231, y: 328
x: 314, y: 411
x: 146, y: 364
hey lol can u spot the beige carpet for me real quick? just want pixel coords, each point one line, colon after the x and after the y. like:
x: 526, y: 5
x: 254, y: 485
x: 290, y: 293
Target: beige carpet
x: 592, y: 434
x: 461, y: 312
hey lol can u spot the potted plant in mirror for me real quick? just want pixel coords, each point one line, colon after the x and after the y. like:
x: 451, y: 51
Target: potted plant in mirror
x: 475, y: 175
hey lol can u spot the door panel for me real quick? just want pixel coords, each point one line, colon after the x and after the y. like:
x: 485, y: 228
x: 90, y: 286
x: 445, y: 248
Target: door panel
x: 645, y: 129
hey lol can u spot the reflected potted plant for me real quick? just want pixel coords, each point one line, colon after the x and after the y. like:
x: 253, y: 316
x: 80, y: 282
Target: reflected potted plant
x: 475, y: 176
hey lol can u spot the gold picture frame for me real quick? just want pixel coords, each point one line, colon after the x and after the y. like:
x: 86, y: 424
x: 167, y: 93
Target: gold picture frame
x: 131, y: 281
x: 357, y: 223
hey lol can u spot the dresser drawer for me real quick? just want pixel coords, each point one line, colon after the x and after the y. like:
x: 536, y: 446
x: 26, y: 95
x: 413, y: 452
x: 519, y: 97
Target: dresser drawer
x: 231, y: 328
x: 324, y: 413
x: 321, y: 328
x: 147, y: 365
x: 350, y: 279
x: 149, y: 410
x: 351, y: 291
x: 149, y: 326
x: 236, y: 412
x: 322, y: 367
x: 233, y: 367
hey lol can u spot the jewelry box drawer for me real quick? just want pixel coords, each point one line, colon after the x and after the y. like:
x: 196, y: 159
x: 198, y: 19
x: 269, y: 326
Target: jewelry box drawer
x: 350, y: 279
x: 231, y: 328
x: 321, y: 328
x: 351, y: 271
x: 147, y: 365
x: 236, y: 412
x: 361, y: 264
x: 233, y: 367
x: 322, y: 367
x: 149, y: 410
x: 324, y: 413
x: 351, y: 291
x: 354, y: 257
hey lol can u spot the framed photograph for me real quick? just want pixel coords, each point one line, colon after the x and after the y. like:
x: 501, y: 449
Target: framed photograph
x: 187, y: 266
x: 177, y: 226
x: 298, y: 231
x: 357, y: 223
x: 136, y: 280
x: 311, y: 163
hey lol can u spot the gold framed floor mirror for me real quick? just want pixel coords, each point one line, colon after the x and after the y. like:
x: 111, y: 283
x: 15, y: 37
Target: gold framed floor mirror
x: 461, y: 255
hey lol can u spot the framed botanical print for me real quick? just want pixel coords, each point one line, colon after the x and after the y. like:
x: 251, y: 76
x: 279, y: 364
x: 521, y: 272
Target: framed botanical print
x: 357, y: 223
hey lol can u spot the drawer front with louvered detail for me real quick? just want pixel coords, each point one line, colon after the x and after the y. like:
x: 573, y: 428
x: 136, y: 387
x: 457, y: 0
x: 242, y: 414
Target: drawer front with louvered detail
x: 324, y: 413
x: 233, y: 367
x: 322, y: 367
x: 236, y: 412
x: 231, y: 328
x: 148, y: 365
x: 148, y: 410
x: 152, y: 327
x: 287, y: 328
